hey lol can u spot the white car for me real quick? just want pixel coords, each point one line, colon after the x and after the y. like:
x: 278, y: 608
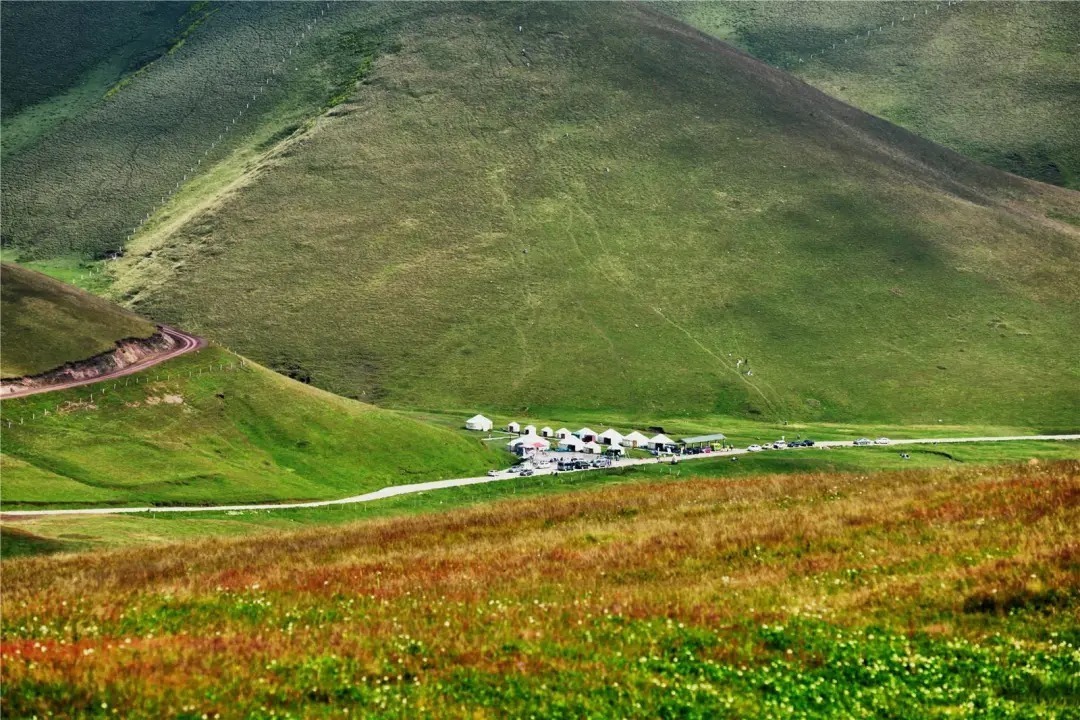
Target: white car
x: 863, y: 441
x: 754, y: 448
x: 882, y: 441
x: 493, y: 473
x: 779, y: 445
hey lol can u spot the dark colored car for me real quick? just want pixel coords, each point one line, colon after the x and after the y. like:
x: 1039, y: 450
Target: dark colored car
x: 527, y: 472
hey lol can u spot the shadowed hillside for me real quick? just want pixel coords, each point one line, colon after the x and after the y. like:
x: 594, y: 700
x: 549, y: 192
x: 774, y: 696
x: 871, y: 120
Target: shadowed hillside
x: 47, y: 323
x: 562, y: 206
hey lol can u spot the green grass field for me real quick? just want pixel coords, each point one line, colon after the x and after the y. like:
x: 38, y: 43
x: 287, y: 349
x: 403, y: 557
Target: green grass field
x: 995, y: 81
x: 49, y: 535
x: 193, y: 432
x: 610, y: 224
x: 947, y: 592
x: 47, y: 324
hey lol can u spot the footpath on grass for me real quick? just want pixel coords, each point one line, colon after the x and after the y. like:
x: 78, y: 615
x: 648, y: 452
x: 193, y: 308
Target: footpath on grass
x: 395, y: 490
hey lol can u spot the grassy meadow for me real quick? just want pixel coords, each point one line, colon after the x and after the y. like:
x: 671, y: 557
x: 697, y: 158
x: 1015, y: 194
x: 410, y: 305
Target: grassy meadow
x: 202, y: 429
x: 995, y: 81
x: 611, y: 222
x: 917, y: 593
x: 47, y: 324
x: 50, y: 535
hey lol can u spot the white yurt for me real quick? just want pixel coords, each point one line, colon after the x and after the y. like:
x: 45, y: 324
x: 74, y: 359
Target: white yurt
x: 546, y: 432
x: 586, y: 434
x: 513, y: 427
x: 660, y: 441
x: 635, y: 439
x: 478, y: 422
x: 571, y: 443
x: 528, y: 430
x: 563, y: 433
x: 610, y: 437
x: 592, y: 447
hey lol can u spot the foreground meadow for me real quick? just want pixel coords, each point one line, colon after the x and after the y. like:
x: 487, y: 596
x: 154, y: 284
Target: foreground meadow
x: 925, y: 593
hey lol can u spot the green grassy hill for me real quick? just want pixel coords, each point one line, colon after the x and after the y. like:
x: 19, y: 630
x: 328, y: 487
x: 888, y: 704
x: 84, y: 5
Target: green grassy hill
x: 996, y: 81
x: 47, y: 323
x: 603, y: 210
x: 198, y: 429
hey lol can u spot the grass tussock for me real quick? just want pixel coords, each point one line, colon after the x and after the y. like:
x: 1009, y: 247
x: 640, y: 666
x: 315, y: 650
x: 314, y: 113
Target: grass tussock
x: 805, y: 595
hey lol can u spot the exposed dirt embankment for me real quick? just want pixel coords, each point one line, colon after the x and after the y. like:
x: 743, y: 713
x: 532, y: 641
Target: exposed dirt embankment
x: 128, y: 352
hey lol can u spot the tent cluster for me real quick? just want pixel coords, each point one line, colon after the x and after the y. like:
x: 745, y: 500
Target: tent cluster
x: 584, y: 440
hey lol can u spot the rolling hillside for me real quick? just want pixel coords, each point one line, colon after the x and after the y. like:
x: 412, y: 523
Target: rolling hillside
x: 996, y: 81
x: 47, y: 323
x: 207, y: 427
x: 919, y: 594
x: 592, y: 206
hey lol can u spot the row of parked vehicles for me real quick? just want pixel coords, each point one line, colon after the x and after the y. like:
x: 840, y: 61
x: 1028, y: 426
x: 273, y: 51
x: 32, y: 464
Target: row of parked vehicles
x: 780, y: 445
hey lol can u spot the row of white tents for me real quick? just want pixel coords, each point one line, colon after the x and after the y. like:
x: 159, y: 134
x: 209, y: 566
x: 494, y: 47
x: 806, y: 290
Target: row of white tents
x: 583, y: 440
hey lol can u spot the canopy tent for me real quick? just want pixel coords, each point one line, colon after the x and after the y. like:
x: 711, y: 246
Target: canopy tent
x: 660, y: 441
x: 586, y: 434
x: 593, y: 447
x: 703, y: 439
x: 478, y: 422
x: 610, y: 437
x: 534, y: 442
x: 635, y: 439
x: 546, y: 432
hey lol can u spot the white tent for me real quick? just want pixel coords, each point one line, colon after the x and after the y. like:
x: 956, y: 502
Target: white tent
x: 546, y: 432
x: 635, y: 439
x: 571, y: 443
x: 660, y: 440
x: 478, y: 422
x: 615, y: 450
x: 586, y: 434
x: 513, y: 427
x: 533, y: 442
x: 528, y: 430
x: 563, y: 433
x: 611, y: 437
x: 592, y: 447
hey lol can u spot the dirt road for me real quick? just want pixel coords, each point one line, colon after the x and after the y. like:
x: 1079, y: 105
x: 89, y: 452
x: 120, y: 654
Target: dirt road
x: 185, y: 344
x: 395, y: 490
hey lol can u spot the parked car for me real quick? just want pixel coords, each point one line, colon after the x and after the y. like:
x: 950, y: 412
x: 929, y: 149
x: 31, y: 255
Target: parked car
x: 882, y: 441
x: 493, y: 473
x: 863, y: 441
x: 808, y: 443
x: 581, y: 465
x: 779, y: 445
x: 754, y: 448
x: 527, y: 472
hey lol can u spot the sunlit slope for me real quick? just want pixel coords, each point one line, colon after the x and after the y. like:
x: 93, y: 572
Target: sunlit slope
x: 45, y: 323
x: 997, y: 81
x: 201, y: 429
x: 614, y: 219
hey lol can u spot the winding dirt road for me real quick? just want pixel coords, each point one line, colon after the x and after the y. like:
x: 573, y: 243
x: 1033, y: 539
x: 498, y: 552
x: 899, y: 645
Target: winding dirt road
x: 395, y: 490
x: 185, y: 344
